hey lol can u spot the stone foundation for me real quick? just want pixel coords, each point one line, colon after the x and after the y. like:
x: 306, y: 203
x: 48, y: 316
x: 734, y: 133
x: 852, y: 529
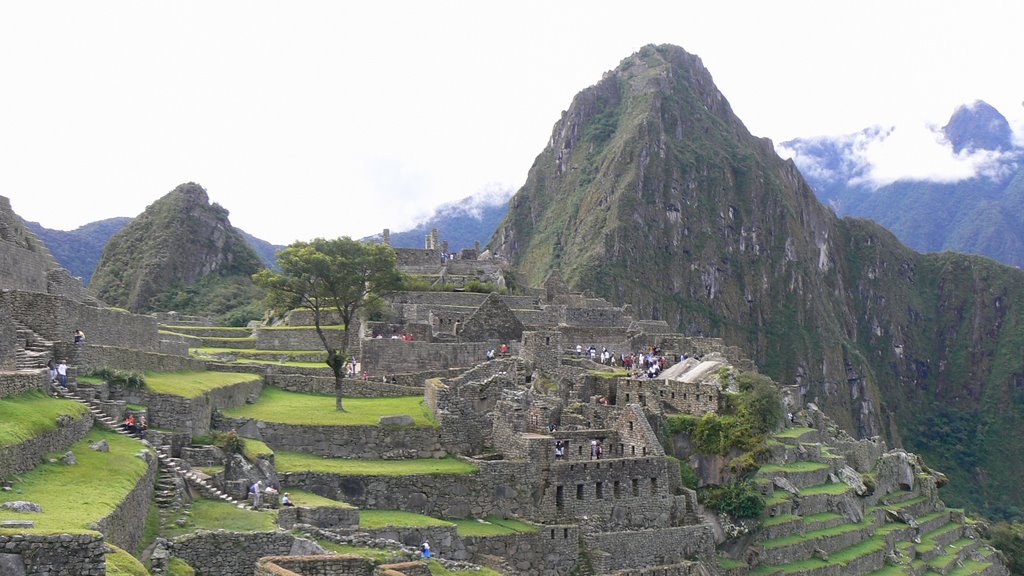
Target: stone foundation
x: 52, y: 554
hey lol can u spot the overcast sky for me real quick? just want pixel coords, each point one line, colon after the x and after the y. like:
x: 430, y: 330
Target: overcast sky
x: 309, y: 119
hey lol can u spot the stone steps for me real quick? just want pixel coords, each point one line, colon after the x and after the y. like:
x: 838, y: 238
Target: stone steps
x: 193, y: 479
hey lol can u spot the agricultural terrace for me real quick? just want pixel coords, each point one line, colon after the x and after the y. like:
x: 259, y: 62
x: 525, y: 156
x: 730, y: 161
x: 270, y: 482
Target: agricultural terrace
x: 73, y: 497
x: 276, y: 405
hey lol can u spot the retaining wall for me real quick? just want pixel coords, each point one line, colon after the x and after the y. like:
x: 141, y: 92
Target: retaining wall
x: 230, y: 553
x: 320, y: 516
x: 25, y: 456
x: 634, y: 549
x: 300, y: 338
x: 123, y: 526
x: 55, y: 318
x: 191, y: 415
x: 366, y: 442
x: 54, y: 554
x: 12, y: 383
x: 90, y: 356
x: 334, y: 565
x: 384, y: 356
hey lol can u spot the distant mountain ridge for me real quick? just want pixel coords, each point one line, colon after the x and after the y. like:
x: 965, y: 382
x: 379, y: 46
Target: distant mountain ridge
x: 979, y: 213
x: 462, y: 223
x: 79, y: 250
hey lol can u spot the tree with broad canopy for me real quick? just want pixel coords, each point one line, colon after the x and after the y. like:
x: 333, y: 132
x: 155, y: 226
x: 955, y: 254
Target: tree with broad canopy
x: 327, y: 276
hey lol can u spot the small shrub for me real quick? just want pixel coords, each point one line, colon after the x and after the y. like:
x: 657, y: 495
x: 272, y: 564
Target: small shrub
x: 230, y: 442
x: 127, y: 378
x: 739, y: 499
x: 687, y: 475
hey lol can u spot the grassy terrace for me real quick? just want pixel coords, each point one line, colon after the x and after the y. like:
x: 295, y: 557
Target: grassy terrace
x: 383, y: 518
x: 278, y: 405
x: 298, y: 462
x: 833, y: 489
x: 837, y: 558
x: 797, y: 538
x: 254, y: 449
x: 436, y: 569
x: 72, y: 497
x: 121, y: 563
x: 794, y: 467
x: 215, y: 514
x: 492, y: 526
x: 191, y: 384
x: 29, y: 414
x: 793, y: 433
x: 303, y: 498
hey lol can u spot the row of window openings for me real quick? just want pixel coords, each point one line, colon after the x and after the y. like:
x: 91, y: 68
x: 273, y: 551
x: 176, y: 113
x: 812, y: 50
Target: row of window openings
x: 599, y: 490
x: 642, y: 399
x: 622, y: 452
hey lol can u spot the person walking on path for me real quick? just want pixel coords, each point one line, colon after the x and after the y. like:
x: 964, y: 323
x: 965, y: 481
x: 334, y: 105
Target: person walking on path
x: 52, y: 365
x: 62, y: 373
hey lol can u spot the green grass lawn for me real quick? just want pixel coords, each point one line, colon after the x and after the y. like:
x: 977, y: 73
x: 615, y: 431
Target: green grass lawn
x: 72, y: 497
x: 29, y: 414
x: 300, y: 462
x: 378, y: 555
x: 794, y: 467
x: 276, y: 405
x: 215, y: 514
x: 121, y: 563
x: 436, y: 569
x: 178, y: 567
x: 254, y: 449
x: 383, y: 518
x: 793, y: 433
x: 492, y: 526
x: 834, y: 489
x: 303, y: 498
x: 190, y: 384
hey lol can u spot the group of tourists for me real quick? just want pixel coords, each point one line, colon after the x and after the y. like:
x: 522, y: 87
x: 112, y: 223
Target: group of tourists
x: 641, y: 364
x: 58, y: 372
x: 133, y: 426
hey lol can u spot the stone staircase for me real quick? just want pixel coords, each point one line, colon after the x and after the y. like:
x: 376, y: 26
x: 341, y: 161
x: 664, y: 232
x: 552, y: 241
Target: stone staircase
x: 168, y: 464
x: 33, y: 351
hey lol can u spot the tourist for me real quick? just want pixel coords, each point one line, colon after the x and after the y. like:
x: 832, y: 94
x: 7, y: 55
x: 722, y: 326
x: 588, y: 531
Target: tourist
x: 62, y: 373
x: 600, y: 450
x: 142, y: 426
x: 129, y: 424
x: 256, y: 491
x: 79, y: 336
x: 52, y: 365
x: 425, y: 550
x: 286, y: 501
x: 579, y: 349
x: 593, y: 449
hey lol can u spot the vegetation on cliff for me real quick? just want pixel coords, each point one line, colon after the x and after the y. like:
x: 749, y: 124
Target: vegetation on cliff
x: 652, y: 192
x: 180, y: 254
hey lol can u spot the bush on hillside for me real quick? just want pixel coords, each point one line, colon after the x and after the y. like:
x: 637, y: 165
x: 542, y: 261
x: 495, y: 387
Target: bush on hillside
x: 127, y: 378
x: 739, y: 499
x: 1008, y: 538
x: 758, y: 404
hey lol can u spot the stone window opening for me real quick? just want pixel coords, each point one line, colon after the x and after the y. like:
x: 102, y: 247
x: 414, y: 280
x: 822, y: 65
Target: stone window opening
x: 599, y: 490
x: 661, y: 393
x: 547, y: 340
x: 627, y: 396
x: 552, y: 533
x: 559, y: 497
x: 622, y: 449
x: 579, y: 491
x: 645, y: 451
x: 630, y: 424
x: 636, y: 487
x: 632, y: 450
x: 654, y: 485
x: 565, y: 533
x: 617, y: 490
x: 580, y: 449
x: 673, y: 395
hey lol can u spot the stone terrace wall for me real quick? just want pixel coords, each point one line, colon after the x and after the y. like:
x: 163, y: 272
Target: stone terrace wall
x: 299, y: 338
x: 191, y: 415
x: 553, y: 550
x: 640, y: 548
x: 230, y: 553
x: 24, y: 259
x: 354, y: 387
x: 12, y: 383
x: 56, y: 554
x: 502, y: 488
x: 8, y: 334
x: 334, y: 565
x: 55, y: 318
x: 384, y: 356
x: 123, y: 526
x: 22, y: 457
x: 472, y: 299
x: 60, y: 282
x: 594, y: 317
x: 367, y: 442
x: 319, y: 516
x: 89, y: 357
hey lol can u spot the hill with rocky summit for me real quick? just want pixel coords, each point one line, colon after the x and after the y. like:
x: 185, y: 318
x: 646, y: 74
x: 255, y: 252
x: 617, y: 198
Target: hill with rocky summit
x: 179, y: 253
x: 652, y: 192
x: 976, y: 214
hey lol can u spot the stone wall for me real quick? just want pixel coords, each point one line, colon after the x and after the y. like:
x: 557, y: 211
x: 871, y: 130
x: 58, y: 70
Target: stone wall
x: 472, y: 299
x: 230, y: 553
x: 191, y: 415
x: 123, y: 526
x: 695, y: 398
x: 60, y: 282
x: 24, y: 456
x: 366, y: 442
x: 12, y: 383
x: 553, y: 550
x: 89, y: 356
x: 334, y: 565
x: 55, y: 318
x: 304, y: 317
x: 319, y: 516
x: 53, y: 554
x: 24, y: 259
x: 384, y: 356
x: 611, y: 317
x: 501, y: 488
x: 353, y: 387
x: 298, y: 338
x: 8, y: 334
x: 623, y: 550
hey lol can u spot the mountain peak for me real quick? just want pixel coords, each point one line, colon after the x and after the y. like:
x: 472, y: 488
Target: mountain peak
x: 978, y: 126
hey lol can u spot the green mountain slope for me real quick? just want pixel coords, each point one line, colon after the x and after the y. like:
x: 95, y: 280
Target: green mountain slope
x: 652, y: 192
x: 177, y: 254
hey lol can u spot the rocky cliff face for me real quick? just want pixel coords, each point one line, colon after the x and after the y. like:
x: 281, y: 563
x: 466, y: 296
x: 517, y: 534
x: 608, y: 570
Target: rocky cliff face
x: 652, y: 192
x: 178, y: 240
